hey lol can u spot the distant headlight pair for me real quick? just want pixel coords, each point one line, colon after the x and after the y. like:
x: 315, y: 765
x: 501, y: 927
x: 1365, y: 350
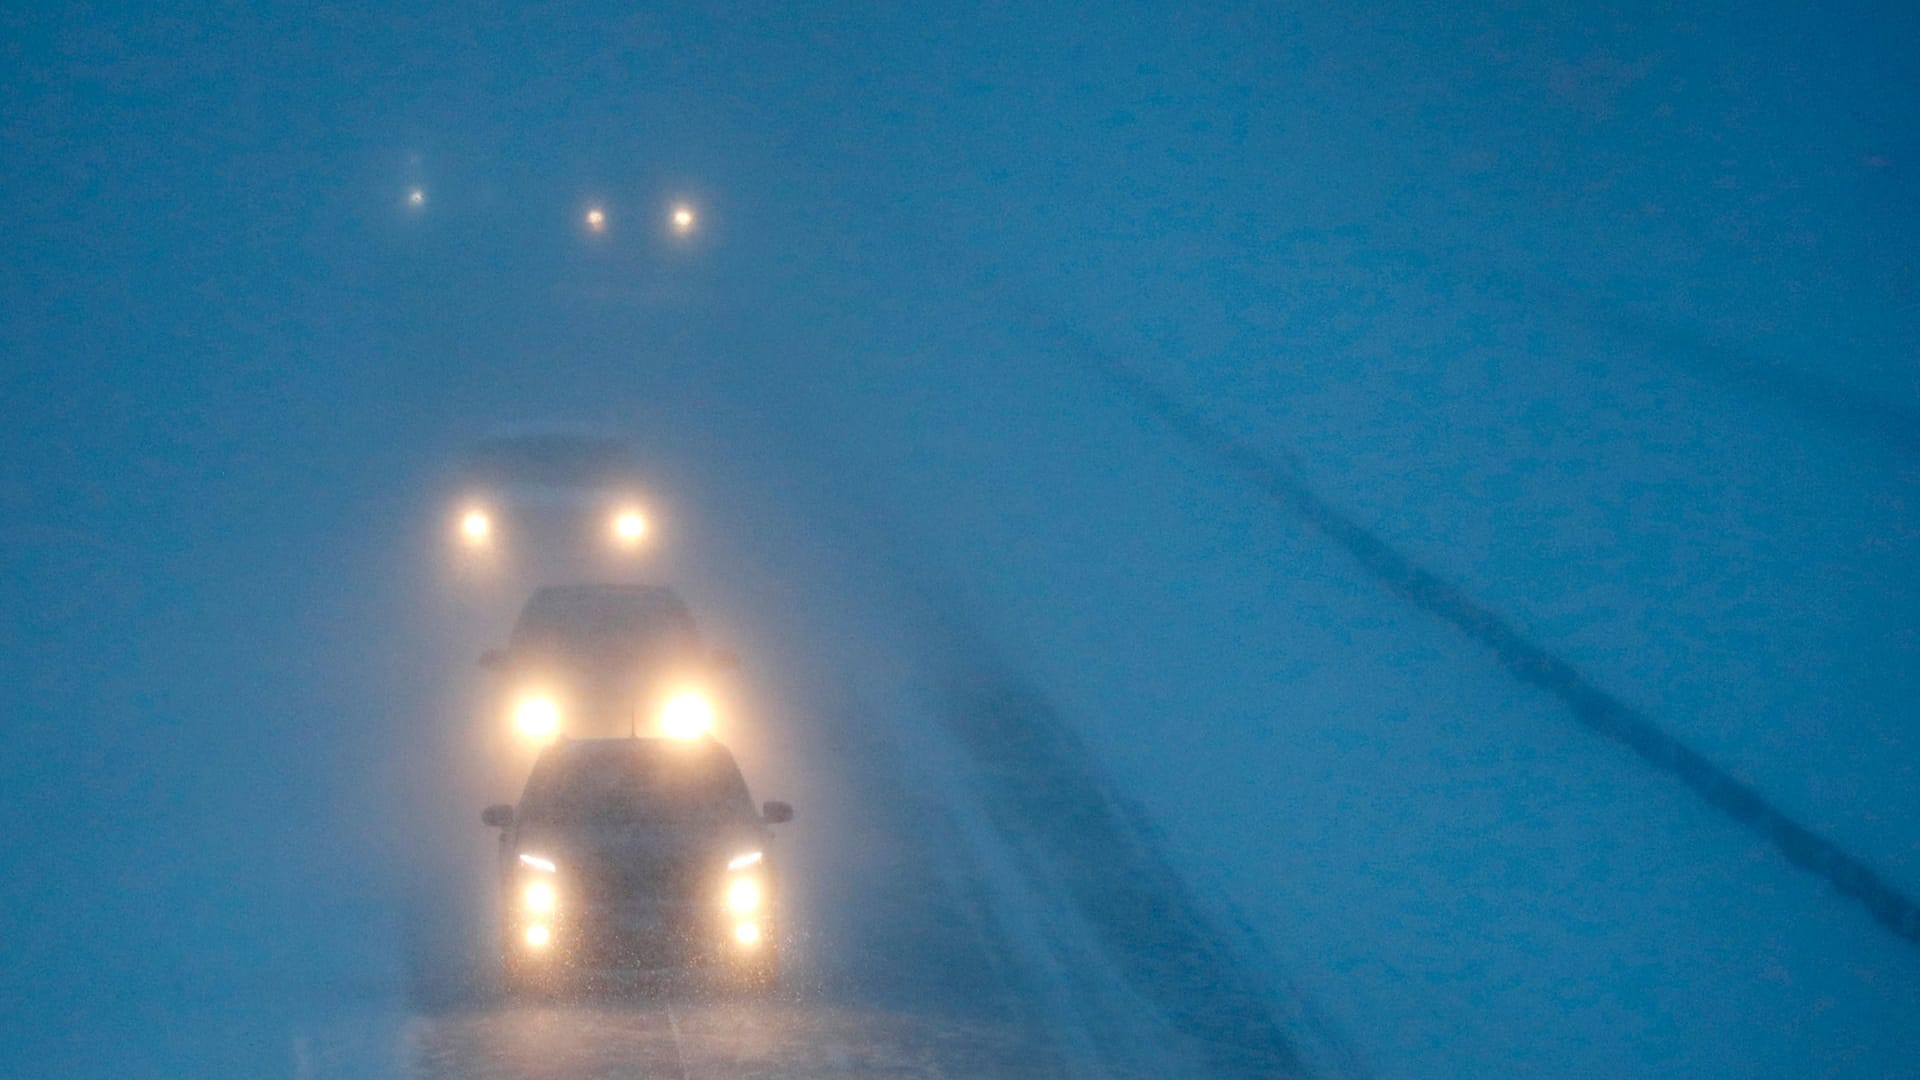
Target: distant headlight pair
x: 626, y: 526
x: 686, y: 715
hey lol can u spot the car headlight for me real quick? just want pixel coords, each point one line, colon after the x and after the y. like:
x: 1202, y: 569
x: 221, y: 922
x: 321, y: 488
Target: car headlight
x: 476, y: 527
x: 537, y: 716
x: 538, y: 896
x: 687, y: 716
x: 629, y: 528
x: 743, y: 895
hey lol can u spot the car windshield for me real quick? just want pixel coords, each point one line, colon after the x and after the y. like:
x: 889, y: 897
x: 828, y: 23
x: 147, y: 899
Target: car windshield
x: 640, y: 782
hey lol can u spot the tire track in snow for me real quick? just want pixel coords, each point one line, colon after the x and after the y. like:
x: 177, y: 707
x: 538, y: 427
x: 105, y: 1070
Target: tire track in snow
x: 1525, y: 660
x: 1043, y: 790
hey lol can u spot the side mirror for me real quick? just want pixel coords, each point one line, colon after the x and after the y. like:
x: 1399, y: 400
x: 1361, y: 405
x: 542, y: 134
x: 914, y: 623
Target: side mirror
x: 776, y: 813
x: 724, y: 660
x: 494, y: 659
x: 498, y: 816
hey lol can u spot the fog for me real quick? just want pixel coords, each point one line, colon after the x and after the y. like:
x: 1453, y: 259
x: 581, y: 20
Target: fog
x: 1117, y: 404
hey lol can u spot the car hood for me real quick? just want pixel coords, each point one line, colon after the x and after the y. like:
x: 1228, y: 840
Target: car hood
x: 576, y: 848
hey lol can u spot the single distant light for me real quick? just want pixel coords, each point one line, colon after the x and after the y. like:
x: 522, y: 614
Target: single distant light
x: 747, y: 934
x: 417, y: 197
x: 539, y: 897
x: 476, y: 527
x: 683, y: 219
x: 597, y: 220
x: 738, y: 862
x: 545, y: 866
x: 537, y: 717
x: 687, y: 716
x: 743, y: 896
x: 538, y: 936
x: 629, y: 528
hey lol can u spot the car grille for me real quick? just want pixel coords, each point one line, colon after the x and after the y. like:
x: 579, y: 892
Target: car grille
x: 662, y: 883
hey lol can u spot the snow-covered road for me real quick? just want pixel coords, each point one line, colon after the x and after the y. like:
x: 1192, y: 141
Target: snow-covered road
x: 968, y: 897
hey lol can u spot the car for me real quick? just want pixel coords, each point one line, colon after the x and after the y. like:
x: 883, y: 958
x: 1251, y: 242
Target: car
x: 548, y: 505
x: 637, y: 854
x: 597, y: 661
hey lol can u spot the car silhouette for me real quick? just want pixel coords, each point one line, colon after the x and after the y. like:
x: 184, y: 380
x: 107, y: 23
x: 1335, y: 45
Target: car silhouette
x: 637, y: 854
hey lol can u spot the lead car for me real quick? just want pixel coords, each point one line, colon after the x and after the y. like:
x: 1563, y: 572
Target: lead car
x: 633, y: 856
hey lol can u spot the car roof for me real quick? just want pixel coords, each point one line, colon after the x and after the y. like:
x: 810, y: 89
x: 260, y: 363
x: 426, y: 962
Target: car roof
x: 567, y: 611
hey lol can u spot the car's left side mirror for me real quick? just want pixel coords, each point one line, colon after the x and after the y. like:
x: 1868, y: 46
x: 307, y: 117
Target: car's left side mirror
x: 497, y: 816
x: 776, y: 813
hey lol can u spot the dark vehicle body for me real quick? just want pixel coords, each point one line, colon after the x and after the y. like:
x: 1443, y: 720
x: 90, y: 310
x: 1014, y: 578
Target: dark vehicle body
x: 552, y: 503
x: 604, y: 653
x: 651, y: 855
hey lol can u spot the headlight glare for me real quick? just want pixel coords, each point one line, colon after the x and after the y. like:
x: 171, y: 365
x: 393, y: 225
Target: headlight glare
x: 743, y: 895
x: 537, y: 716
x: 476, y: 527
x: 687, y: 715
x: 629, y: 528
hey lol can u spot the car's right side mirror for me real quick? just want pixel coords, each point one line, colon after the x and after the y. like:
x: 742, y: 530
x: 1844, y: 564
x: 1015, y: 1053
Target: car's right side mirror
x: 500, y: 815
x: 776, y: 813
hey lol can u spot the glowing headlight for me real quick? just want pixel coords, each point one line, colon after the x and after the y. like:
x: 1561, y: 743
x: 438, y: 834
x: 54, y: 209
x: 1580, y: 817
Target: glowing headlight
x: 738, y: 862
x: 743, y: 896
x: 597, y: 220
x: 686, y: 716
x: 476, y: 528
x: 537, y: 717
x: 545, y: 866
x: 537, y: 936
x: 539, y: 897
x: 747, y: 933
x: 629, y: 528
x: 683, y: 219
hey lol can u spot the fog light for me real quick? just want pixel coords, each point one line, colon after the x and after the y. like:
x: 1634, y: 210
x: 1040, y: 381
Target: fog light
x: 538, y: 936
x: 747, y: 934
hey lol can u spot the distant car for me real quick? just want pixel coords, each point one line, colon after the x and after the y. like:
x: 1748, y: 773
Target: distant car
x: 637, y: 855
x: 599, y: 661
x: 549, y: 505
